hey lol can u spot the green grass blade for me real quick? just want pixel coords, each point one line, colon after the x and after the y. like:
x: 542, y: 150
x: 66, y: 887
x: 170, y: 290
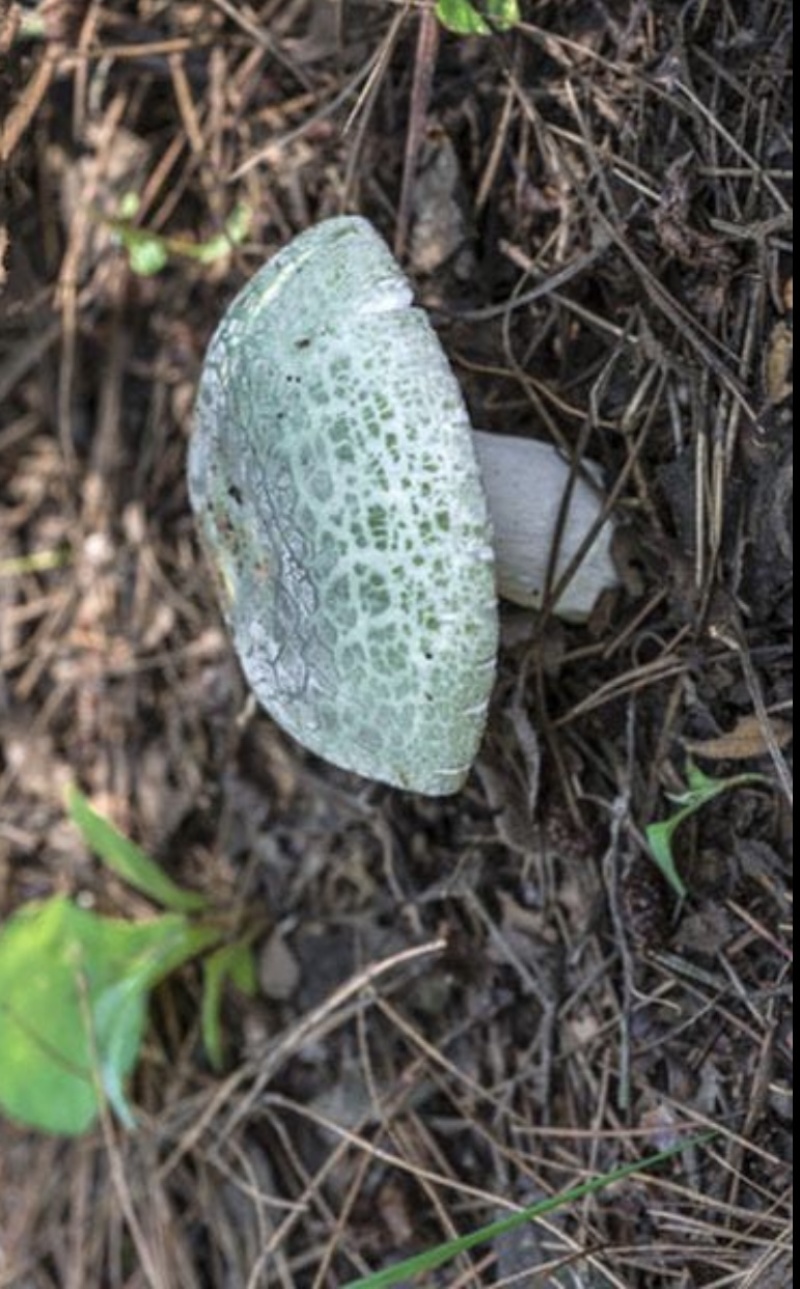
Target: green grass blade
x: 233, y: 962
x: 446, y: 1252
x: 128, y: 860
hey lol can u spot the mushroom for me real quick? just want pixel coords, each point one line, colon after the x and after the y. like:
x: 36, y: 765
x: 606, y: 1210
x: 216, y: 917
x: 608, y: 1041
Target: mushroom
x: 341, y: 497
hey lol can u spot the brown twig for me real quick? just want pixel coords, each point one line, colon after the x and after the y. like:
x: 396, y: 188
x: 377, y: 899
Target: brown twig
x: 424, y: 68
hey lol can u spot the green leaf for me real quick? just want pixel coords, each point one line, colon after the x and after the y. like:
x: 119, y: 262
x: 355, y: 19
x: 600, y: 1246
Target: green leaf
x: 128, y: 860
x: 242, y: 968
x: 74, y: 988
x: 446, y: 1252
x: 234, y: 962
x: 147, y: 254
x: 471, y: 20
x: 129, y: 205
x: 659, y: 839
x: 700, y: 790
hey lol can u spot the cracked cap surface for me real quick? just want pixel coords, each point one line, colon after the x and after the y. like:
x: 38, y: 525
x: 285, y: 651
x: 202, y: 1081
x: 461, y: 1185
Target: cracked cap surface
x: 333, y: 478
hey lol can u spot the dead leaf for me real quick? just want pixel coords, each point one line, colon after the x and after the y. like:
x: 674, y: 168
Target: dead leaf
x: 439, y: 231
x: 393, y: 1207
x: 706, y: 931
x: 663, y: 1127
x: 747, y: 739
x: 778, y: 363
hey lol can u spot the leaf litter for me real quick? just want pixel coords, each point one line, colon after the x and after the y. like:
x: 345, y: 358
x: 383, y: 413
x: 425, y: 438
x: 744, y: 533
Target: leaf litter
x: 623, y: 173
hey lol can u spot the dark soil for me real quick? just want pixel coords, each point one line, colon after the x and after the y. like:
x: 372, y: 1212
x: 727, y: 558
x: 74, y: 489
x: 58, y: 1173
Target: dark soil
x: 470, y: 1004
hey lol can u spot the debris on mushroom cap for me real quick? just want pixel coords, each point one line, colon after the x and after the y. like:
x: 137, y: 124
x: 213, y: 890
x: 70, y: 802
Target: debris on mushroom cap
x: 526, y: 484
x: 337, y: 493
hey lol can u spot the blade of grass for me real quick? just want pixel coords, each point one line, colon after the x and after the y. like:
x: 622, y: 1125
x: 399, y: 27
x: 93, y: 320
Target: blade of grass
x: 446, y: 1252
x: 231, y: 962
x: 128, y: 860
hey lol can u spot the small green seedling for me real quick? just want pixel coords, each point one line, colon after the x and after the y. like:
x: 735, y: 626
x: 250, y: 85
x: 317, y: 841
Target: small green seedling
x: 478, y: 19
x: 30, y: 26
x: 444, y: 1253
x: 149, y: 252
x: 75, y: 986
x: 230, y: 962
x: 700, y: 790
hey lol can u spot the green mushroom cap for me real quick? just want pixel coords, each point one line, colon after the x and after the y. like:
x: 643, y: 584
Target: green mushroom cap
x: 337, y: 493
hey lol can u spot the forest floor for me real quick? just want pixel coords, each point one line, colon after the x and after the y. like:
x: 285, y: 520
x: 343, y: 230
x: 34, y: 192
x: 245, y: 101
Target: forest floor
x: 468, y: 1004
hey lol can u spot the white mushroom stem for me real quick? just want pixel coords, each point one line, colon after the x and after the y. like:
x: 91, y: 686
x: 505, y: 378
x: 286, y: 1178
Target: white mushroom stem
x: 526, y: 483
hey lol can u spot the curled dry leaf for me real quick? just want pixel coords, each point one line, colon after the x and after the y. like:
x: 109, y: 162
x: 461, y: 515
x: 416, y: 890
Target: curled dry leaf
x: 439, y: 230
x: 663, y: 1126
x: 746, y: 740
x: 778, y: 363
x: 394, y: 1210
